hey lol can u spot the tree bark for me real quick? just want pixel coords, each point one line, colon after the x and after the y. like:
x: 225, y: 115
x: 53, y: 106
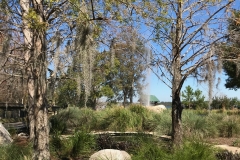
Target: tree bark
x: 177, y: 80
x: 35, y: 58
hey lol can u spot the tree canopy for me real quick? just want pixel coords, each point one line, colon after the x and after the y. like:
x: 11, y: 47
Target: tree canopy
x: 231, y: 52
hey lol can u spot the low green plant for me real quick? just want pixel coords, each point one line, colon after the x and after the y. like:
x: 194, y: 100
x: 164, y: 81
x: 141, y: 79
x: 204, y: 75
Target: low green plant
x: 229, y: 126
x: 15, y: 152
x: 72, y: 117
x: 194, y: 149
x: 163, y: 122
x: 236, y: 143
x: 80, y: 144
x: 149, y: 148
x: 120, y: 119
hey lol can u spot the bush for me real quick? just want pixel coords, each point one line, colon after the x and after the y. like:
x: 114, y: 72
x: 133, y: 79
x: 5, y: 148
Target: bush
x: 79, y: 145
x: 149, y: 148
x: 163, y: 122
x: 194, y: 150
x: 84, y: 119
x: 229, y: 126
x: 148, y: 121
x: 195, y: 124
x: 120, y: 119
x: 82, y: 143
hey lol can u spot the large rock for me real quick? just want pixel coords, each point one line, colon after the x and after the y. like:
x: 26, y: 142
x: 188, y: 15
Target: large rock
x: 5, y: 137
x: 157, y: 108
x: 110, y: 154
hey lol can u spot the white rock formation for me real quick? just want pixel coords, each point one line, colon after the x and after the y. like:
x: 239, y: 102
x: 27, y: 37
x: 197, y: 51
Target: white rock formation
x: 110, y: 154
x: 157, y: 108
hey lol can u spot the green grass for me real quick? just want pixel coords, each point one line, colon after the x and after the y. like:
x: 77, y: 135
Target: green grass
x: 197, y: 125
x: 15, y: 152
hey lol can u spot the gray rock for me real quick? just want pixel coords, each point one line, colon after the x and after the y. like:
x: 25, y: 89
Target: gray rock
x: 5, y: 137
x: 110, y: 154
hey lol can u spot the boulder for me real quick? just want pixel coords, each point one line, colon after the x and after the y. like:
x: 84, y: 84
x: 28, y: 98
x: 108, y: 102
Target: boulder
x: 5, y: 137
x: 110, y: 154
x: 157, y: 108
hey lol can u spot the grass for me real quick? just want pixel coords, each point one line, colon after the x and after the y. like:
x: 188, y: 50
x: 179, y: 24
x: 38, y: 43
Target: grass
x: 197, y: 125
x: 15, y: 152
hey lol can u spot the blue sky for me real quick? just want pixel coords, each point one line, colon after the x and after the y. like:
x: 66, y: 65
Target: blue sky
x: 163, y: 93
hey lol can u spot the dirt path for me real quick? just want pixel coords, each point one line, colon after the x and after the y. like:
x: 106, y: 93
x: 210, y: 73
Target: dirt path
x: 229, y: 148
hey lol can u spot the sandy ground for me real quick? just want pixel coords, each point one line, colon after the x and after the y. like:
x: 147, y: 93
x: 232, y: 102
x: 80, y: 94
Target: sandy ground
x: 229, y: 148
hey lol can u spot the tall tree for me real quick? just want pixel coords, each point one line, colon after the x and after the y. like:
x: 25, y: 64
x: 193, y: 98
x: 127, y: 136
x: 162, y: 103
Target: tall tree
x: 188, y: 96
x: 35, y: 22
x: 47, y: 28
x: 130, y: 50
x: 186, y: 40
x: 230, y: 52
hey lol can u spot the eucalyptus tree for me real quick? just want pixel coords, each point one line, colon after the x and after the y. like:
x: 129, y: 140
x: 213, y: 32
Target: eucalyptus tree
x: 185, y: 42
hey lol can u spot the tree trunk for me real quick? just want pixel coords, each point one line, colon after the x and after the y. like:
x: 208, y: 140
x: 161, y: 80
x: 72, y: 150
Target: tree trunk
x: 176, y: 120
x: 131, y: 94
x: 41, y: 128
x: 177, y: 80
x: 124, y: 99
x: 35, y: 58
x: 176, y: 103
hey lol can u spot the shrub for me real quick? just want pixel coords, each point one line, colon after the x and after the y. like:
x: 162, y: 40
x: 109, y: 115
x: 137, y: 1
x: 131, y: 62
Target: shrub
x: 80, y: 144
x: 84, y: 119
x: 194, y: 150
x: 163, y: 122
x: 148, y: 121
x: 123, y: 120
x: 229, y: 126
x: 148, y: 148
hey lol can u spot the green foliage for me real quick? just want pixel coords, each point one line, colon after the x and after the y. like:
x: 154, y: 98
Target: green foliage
x: 73, y: 117
x: 137, y: 118
x: 120, y: 119
x: 15, y: 152
x: 199, y: 100
x: 34, y: 21
x: 194, y: 150
x: 225, y: 103
x: 233, y: 73
x: 148, y: 148
x: 193, y: 99
x: 163, y: 122
x: 231, y: 52
x: 229, y: 126
x: 78, y: 145
x: 67, y: 93
x: 82, y: 142
x: 199, y: 125
x: 188, y: 96
x: 133, y: 118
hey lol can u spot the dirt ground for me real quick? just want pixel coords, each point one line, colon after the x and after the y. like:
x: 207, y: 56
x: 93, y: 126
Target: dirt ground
x: 230, y: 144
x: 225, y: 141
